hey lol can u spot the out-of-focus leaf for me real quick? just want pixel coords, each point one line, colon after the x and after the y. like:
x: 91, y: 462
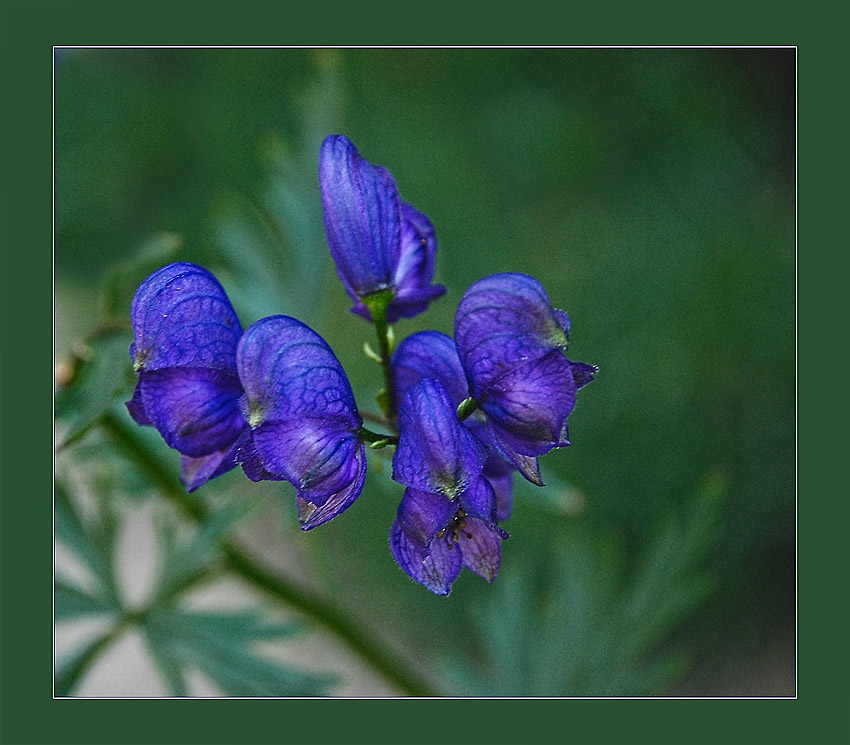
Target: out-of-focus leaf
x: 183, y: 558
x: 122, y: 281
x: 70, y: 669
x: 581, y: 626
x: 99, y: 373
x: 90, y: 540
x: 223, y: 647
x: 71, y: 602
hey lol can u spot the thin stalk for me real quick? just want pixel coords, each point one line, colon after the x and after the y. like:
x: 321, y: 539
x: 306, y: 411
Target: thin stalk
x: 361, y: 641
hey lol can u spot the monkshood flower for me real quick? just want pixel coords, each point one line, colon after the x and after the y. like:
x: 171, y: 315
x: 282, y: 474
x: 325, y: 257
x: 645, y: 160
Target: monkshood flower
x: 304, y: 423
x: 447, y: 517
x: 383, y: 248
x: 184, y: 351
x: 511, y: 344
x: 430, y: 354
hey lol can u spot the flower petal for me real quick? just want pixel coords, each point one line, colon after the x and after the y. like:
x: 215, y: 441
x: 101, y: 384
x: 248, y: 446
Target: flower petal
x: 428, y: 354
x: 311, y: 514
x: 422, y: 515
x: 136, y: 406
x: 183, y: 318
x: 195, y: 472
x: 288, y: 371
x: 362, y: 217
x: 583, y: 373
x: 437, y: 570
x: 481, y: 546
x: 502, y: 322
x: 415, y: 268
x: 435, y: 453
x: 319, y: 457
x: 530, y: 405
x: 500, y: 475
x: 195, y: 409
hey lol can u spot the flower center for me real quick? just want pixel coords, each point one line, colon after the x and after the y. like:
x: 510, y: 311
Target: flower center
x: 456, y: 525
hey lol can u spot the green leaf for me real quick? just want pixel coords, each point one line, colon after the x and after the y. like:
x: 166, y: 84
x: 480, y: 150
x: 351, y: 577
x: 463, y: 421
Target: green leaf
x: 90, y: 541
x: 100, y: 373
x: 184, y: 558
x: 70, y: 669
x: 579, y: 625
x: 223, y: 646
x: 70, y: 602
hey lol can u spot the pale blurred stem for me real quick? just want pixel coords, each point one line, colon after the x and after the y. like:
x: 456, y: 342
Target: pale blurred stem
x: 360, y: 640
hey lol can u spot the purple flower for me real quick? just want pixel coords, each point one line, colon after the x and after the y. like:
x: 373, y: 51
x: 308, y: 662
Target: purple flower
x: 304, y: 424
x: 184, y: 351
x: 447, y: 517
x: 511, y: 342
x: 379, y: 243
x: 430, y: 354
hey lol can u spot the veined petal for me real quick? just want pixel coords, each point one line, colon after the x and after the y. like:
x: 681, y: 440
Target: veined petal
x: 311, y: 514
x: 428, y: 354
x: 319, y: 457
x: 195, y: 472
x: 530, y: 405
x: 415, y: 268
x: 195, y: 409
x: 500, y: 475
x: 422, y: 515
x: 502, y: 322
x: 183, y: 318
x: 437, y: 570
x: 480, y: 544
x: 362, y: 217
x: 288, y: 371
x: 435, y: 453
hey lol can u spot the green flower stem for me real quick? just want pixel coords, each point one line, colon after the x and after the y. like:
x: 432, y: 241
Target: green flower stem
x: 374, y: 437
x: 377, y: 305
x: 360, y: 640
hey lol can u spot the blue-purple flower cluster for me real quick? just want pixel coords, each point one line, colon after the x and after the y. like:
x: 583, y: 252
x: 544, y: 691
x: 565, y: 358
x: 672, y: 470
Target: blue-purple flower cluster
x: 275, y: 400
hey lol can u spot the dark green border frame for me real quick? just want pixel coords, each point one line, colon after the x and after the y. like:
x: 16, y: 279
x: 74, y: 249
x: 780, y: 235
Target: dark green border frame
x: 29, y: 29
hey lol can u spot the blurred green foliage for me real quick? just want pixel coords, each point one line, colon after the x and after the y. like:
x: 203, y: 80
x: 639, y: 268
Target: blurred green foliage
x: 651, y: 192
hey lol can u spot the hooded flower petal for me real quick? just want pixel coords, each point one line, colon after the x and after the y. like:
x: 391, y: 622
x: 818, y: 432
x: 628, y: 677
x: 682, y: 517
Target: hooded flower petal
x: 428, y: 354
x: 362, y: 217
x: 436, y: 570
x: 184, y: 350
x: 183, y: 318
x: 435, y: 453
x: 510, y: 341
x: 304, y: 421
x: 378, y: 242
x: 502, y: 322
